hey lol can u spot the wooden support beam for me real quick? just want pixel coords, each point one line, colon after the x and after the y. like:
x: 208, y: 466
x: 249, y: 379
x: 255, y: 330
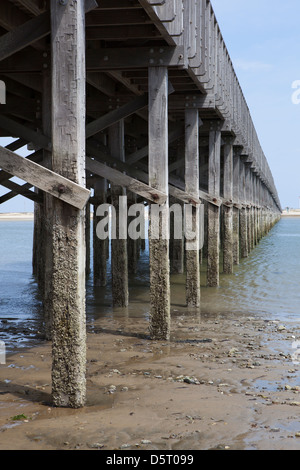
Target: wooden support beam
x: 30, y: 31
x: 213, y: 270
x: 24, y: 35
x: 133, y: 185
x: 228, y: 210
x: 192, y: 220
x: 44, y: 179
x: 67, y: 222
x: 119, y: 257
x: 16, y: 129
x: 143, y: 152
x: 11, y: 194
x: 99, y: 246
x: 116, y: 115
x: 17, y: 190
x: 236, y: 210
x: 132, y: 58
x: 158, y: 179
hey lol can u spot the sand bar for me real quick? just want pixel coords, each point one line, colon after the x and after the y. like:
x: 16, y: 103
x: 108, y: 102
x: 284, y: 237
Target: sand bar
x: 222, y: 382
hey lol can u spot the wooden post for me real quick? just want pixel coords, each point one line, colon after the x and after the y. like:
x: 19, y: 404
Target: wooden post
x: 158, y: 179
x: 47, y: 209
x: 177, y: 245
x: 192, y: 187
x: 228, y: 211
x: 119, y: 260
x: 99, y: 245
x: 248, y: 202
x: 68, y: 223
x: 243, y: 213
x: 213, y: 222
x: 88, y: 239
x: 236, y: 210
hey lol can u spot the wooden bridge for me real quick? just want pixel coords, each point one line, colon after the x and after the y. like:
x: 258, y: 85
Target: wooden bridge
x: 125, y: 95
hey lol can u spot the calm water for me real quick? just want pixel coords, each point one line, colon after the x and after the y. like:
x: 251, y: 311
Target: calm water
x: 267, y: 284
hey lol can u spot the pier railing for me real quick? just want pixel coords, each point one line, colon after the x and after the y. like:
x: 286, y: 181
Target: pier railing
x: 193, y: 25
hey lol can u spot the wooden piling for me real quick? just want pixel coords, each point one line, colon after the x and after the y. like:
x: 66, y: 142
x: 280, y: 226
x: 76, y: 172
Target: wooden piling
x: 228, y: 209
x: 158, y: 179
x: 192, y: 188
x: 68, y: 223
x: 119, y: 257
x: 213, y: 223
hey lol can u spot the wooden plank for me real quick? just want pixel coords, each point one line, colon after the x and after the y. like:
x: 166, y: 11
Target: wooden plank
x: 17, y: 190
x: 126, y: 181
x: 116, y: 115
x: 44, y: 179
x: 24, y: 35
x: 24, y: 132
x: 11, y: 194
x: 132, y: 58
x: 29, y: 32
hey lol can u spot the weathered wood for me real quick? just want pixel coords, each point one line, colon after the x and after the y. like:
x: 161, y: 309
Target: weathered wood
x: 24, y: 35
x: 119, y: 259
x: 192, y: 220
x: 243, y: 214
x: 131, y: 58
x: 126, y: 181
x: 116, y: 115
x: 158, y: 179
x: 236, y: 210
x: 99, y: 245
x: 228, y: 211
x: 44, y: 179
x: 213, y: 238
x: 68, y: 241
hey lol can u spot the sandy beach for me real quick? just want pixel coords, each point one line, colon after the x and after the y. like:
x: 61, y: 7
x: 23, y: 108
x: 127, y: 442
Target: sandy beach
x: 222, y: 382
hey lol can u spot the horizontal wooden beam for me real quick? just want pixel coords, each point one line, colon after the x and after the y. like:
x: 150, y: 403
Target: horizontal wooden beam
x: 125, y: 181
x: 141, y: 175
x: 24, y: 132
x: 134, y: 58
x: 44, y: 179
x: 11, y: 194
x: 29, y: 32
x: 19, y: 190
x: 24, y: 35
x: 191, y: 100
x: 116, y: 115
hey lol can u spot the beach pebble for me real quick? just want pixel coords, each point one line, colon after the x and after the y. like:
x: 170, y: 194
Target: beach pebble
x: 281, y: 328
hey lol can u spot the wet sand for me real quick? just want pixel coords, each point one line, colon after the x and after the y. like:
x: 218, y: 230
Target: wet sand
x: 222, y: 382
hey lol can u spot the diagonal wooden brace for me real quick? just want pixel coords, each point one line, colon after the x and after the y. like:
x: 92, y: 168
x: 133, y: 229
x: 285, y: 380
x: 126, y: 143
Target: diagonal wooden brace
x: 126, y: 181
x: 44, y: 179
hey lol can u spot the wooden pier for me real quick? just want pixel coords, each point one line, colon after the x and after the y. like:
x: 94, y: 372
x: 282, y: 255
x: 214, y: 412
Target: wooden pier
x: 136, y: 98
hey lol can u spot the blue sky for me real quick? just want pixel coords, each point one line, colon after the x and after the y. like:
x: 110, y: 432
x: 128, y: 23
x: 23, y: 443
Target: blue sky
x: 263, y: 40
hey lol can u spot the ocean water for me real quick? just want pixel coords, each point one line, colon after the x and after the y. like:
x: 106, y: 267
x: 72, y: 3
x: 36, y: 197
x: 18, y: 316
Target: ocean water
x: 265, y: 284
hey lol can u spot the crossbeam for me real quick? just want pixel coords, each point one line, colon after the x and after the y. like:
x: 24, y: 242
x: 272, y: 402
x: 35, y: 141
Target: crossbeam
x: 30, y: 32
x: 44, y: 179
x: 126, y: 181
x: 132, y: 58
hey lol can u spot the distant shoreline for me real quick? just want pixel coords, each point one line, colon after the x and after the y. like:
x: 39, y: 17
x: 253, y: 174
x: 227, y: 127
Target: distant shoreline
x: 17, y: 216
x: 291, y: 213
